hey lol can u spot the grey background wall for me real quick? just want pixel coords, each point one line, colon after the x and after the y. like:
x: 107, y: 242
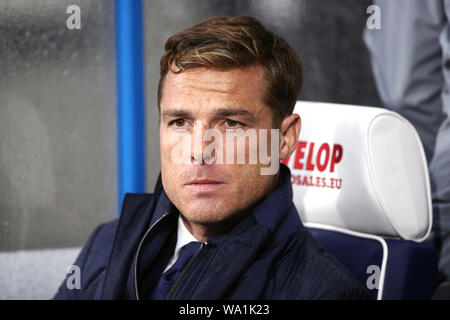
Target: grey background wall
x: 57, y: 123
x: 58, y: 111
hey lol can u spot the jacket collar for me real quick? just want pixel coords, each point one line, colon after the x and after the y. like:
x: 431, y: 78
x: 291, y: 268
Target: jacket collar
x: 163, y: 204
x: 277, y: 211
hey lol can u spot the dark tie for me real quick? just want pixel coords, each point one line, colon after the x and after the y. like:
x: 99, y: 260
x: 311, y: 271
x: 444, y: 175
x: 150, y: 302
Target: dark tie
x: 169, y: 277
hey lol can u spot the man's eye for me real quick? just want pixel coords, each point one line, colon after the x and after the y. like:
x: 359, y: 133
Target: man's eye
x: 231, y: 123
x: 178, y: 122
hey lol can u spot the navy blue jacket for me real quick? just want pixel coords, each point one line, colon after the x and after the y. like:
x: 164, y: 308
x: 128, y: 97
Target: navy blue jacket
x: 267, y: 255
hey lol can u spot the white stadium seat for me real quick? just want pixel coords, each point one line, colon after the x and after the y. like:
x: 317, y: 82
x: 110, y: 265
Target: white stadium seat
x: 361, y: 185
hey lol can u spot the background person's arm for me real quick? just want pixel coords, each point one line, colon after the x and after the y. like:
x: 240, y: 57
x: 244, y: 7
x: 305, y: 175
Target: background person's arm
x: 406, y: 62
x: 411, y: 64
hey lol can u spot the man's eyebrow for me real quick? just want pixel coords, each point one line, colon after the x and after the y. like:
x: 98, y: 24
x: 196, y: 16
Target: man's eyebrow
x: 176, y: 113
x: 230, y: 112
x: 217, y: 113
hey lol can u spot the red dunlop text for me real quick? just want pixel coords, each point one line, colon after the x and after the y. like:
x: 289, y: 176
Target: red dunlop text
x: 326, y: 158
x: 310, y: 156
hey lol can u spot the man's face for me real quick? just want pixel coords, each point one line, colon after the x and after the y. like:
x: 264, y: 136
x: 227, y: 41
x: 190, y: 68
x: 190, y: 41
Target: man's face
x: 213, y: 99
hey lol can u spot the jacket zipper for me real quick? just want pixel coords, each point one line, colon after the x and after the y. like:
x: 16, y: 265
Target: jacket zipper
x: 183, y: 272
x: 138, y: 251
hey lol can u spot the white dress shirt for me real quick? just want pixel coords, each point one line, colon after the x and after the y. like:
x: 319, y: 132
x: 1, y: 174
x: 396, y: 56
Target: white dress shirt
x: 183, y: 238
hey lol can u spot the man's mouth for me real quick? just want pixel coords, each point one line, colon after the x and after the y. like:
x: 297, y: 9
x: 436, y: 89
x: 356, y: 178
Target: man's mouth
x: 204, y: 185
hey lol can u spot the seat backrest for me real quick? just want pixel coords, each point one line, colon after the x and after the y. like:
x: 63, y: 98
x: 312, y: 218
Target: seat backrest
x: 360, y: 176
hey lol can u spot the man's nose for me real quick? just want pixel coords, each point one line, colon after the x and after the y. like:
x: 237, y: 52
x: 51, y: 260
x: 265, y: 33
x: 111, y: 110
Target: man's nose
x: 198, y: 144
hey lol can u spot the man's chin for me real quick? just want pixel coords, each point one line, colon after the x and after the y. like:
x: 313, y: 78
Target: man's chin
x: 212, y: 217
x: 205, y: 218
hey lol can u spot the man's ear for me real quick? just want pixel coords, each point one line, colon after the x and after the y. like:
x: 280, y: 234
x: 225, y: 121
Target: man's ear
x: 289, y: 132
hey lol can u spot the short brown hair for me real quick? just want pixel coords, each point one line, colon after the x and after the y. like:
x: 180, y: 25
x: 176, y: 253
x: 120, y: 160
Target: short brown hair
x: 227, y: 42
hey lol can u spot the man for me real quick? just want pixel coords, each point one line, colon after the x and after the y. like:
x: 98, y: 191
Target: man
x: 225, y: 77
